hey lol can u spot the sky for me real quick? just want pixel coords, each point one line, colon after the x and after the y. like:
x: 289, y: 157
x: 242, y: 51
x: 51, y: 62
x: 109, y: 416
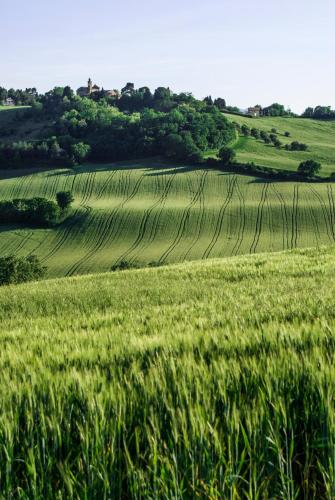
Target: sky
x: 246, y: 51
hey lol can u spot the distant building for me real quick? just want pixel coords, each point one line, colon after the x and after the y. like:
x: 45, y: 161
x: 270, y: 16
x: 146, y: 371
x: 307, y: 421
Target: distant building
x: 255, y: 111
x: 91, y: 89
x: 8, y: 102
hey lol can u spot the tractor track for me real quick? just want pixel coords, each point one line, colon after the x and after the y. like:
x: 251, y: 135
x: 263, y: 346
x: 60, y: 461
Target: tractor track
x: 219, y: 222
x: 259, y: 219
x: 107, y: 226
x: 183, y: 221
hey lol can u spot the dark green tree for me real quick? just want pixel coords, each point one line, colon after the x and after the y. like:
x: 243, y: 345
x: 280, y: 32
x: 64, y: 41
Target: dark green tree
x: 227, y: 155
x: 309, y: 168
x: 64, y: 199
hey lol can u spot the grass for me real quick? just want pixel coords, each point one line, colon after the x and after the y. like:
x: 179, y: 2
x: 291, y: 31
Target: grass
x: 318, y: 135
x: 152, y: 212
x: 209, y: 379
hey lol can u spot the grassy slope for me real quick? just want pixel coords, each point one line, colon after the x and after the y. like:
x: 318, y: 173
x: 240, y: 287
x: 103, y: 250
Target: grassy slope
x: 148, y: 211
x: 212, y: 378
x: 318, y: 135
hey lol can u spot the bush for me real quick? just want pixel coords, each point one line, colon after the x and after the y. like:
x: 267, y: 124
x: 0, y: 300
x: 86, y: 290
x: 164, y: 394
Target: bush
x: 287, y: 134
x: 64, y: 199
x: 309, y: 168
x: 15, y: 270
x: 265, y: 137
x: 297, y: 146
x: 277, y: 143
x: 227, y: 155
x: 255, y: 133
x: 274, y: 130
x: 245, y: 130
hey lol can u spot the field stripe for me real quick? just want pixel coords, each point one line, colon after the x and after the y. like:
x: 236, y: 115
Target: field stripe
x: 242, y: 220
x: 331, y: 209
x: 201, y: 218
x: 144, y: 222
x: 326, y: 215
x: 259, y: 219
x: 219, y: 221
x: 157, y: 217
x: 182, y: 224
x: 103, y: 235
x: 285, y: 219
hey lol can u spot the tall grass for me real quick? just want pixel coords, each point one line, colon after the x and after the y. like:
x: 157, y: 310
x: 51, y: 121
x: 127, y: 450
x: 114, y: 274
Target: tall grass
x: 205, y: 380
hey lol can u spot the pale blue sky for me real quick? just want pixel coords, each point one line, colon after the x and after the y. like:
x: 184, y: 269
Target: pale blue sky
x: 248, y: 52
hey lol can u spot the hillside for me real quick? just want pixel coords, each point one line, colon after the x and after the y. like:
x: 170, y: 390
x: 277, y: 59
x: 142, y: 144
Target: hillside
x: 205, y: 379
x: 153, y: 212
x: 317, y: 134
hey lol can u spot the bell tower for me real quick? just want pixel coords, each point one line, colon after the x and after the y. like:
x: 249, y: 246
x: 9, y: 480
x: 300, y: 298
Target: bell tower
x: 89, y: 86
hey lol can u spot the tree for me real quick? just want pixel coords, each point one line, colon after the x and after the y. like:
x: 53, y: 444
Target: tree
x: 15, y: 270
x: 129, y: 89
x: 80, y: 151
x: 220, y: 103
x: 227, y: 155
x: 309, y: 168
x: 64, y: 199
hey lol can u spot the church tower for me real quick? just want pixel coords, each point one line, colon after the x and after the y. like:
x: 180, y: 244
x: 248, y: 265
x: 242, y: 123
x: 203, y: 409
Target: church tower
x: 89, y: 86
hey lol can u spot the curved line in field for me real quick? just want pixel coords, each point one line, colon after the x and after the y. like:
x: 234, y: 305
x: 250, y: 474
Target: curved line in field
x: 219, y: 222
x: 106, y: 226
x: 200, y: 219
x: 182, y: 224
x: 158, y: 215
x: 259, y: 219
x: 326, y: 216
x: 284, y: 216
x: 242, y: 220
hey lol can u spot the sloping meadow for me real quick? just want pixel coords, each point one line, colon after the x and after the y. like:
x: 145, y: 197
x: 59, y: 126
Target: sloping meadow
x: 210, y: 379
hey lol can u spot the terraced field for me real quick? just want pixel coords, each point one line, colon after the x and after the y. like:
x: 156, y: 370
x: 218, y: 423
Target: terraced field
x: 153, y: 212
x: 318, y: 135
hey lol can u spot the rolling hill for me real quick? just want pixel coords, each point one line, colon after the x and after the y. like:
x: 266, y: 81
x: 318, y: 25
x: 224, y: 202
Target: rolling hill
x: 206, y: 379
x: 152, y: 212
x: 318, y: 135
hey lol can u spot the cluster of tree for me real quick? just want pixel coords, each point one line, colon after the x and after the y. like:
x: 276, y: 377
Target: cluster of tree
x: 319, y: 113
x: 20, y: 97
x: 14, y: 270
x: 35, y: 211
x: 184, y: 132
x: 296, y: 146
x: 309, y: 168
x: 55, y: 150
x: 261, y: 134
x: 276, y: 109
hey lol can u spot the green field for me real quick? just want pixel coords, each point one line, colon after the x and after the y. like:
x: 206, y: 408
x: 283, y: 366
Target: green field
x: 318, y: 135
x: 154, y: 212
x: 202, y: 380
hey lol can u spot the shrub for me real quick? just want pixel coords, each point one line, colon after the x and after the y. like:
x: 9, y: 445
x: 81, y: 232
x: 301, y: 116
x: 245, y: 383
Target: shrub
x: 255, y: 133
x: 265, y: 137
x: 274, y: 130
x: 227, y: 155
x: 245, y: 130
x: 298, y: 146
x: 15, y: 270
x: 309, y: 168
x: 64, y: 199
x: 287, y: 134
